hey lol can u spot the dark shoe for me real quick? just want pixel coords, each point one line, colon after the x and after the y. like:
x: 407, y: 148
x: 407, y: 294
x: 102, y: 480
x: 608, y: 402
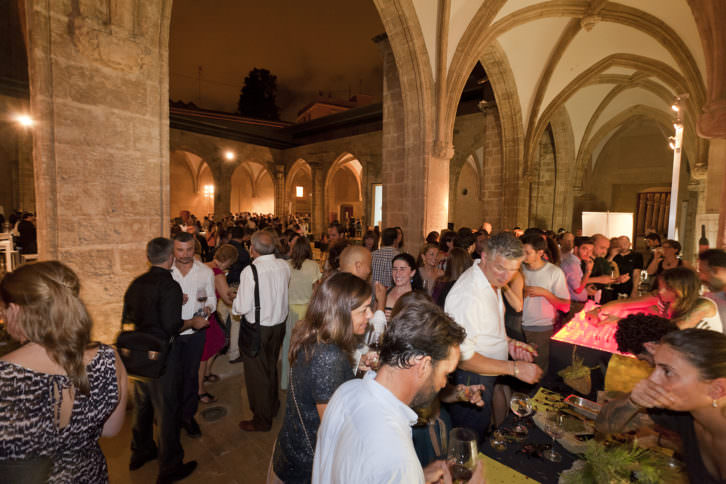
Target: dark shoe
x: 192, y: 428
x: 253, y: 426
x: 181, y: 472
x: 138, y: 460
x: 237, y: 360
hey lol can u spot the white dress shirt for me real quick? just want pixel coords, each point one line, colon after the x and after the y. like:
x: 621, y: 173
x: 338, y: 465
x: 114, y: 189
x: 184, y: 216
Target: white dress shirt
x: 365, y: 437
x: 199, y: 276
x: 274, y: 276
x: 475, y: 305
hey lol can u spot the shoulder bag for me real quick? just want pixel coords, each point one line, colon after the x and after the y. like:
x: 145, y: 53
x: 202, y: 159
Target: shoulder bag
x: 249, y: 333
x: 143, y: 354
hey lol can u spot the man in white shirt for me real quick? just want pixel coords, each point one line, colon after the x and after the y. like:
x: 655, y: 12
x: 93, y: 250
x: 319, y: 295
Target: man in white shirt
x: 260, y: 370
x: 365, y: 435
x: 197, y: 283
x: 545, y: 293
x: 475, y: 302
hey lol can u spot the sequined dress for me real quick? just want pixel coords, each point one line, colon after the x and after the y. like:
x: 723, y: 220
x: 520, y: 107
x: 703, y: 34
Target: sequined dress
x: 30, y: 405
x: 314, y: 382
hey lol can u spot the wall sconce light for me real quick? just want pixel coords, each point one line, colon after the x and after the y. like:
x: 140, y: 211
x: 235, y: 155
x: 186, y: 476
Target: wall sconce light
x: 229, y: 155
x: 24, y: 120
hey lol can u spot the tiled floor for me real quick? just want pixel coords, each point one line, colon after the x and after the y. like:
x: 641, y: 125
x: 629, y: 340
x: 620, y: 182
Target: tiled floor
x: 225, y: 454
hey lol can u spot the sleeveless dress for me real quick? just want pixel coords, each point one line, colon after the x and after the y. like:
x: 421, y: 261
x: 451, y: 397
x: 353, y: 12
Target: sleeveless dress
x: 215, y: 334
x: 29, y: 404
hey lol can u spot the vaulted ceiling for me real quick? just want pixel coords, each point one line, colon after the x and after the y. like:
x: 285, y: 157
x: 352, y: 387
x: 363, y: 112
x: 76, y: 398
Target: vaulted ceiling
x: 604, y: 62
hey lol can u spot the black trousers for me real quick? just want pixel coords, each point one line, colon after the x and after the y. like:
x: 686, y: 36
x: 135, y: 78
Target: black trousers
x: 261, y: 375
x: 160, y: 398
x: 191, y: 347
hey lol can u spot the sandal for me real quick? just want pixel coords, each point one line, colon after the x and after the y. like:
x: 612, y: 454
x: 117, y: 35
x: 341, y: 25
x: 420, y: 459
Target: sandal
x: 207, y: 398
x: 211, y: 378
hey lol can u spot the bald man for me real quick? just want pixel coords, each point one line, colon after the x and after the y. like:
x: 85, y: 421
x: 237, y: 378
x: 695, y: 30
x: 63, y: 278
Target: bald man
x: 356, y: 260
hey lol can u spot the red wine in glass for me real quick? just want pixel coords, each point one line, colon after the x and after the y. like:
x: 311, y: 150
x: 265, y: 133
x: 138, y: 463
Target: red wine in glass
x: 460, y: 473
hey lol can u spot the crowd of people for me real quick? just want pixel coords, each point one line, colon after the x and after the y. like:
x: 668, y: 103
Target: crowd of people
x: 371, y: 341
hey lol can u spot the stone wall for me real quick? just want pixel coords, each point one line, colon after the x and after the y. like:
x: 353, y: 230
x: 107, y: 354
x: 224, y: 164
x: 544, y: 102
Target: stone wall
x: 99, y: 91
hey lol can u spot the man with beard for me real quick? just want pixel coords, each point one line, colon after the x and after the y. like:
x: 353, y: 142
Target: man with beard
x: 712, y: 271
x: 365, y: 435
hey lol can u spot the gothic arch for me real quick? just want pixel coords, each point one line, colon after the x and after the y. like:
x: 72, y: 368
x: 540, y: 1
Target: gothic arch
x: 501, y: 78
x: 348, y: 162
x: 634, y: 112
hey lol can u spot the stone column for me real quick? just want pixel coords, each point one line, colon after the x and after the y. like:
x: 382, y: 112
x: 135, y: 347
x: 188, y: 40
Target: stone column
x: 318, y: 202
x: 414, y: 173
x: 708, y: 15
x: 280, y: 209
x: 99, y: 90
x: 222, y: 174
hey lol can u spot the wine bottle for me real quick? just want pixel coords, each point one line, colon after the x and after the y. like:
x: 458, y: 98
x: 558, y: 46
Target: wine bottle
x: 703, y: 241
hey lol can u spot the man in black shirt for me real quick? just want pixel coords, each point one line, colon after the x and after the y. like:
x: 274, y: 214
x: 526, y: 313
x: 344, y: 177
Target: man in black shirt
x: 153, y: 303
x: 630, y: 263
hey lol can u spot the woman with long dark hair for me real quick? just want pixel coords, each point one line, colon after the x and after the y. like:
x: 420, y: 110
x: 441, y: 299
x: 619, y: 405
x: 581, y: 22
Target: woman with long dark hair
x: 405, y: 279
x: 59, y: 392
x: 685, y: 393
x: 677, y: 299
x: 320, y: 358
x: 304, y: 273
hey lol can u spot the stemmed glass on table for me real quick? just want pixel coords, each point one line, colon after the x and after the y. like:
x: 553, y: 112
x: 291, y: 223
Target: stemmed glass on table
x: 462, y: 454
x: 555, y: 428
x: 521, y: 405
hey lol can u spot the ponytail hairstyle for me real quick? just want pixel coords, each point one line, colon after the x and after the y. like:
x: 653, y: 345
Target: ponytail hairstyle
x: 52, y: 314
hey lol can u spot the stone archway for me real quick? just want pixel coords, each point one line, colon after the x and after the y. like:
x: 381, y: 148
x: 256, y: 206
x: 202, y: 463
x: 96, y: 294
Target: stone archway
x: 343, y: 187
x: 189, y: 174
x: 252, y: 188
x: 299, y: 175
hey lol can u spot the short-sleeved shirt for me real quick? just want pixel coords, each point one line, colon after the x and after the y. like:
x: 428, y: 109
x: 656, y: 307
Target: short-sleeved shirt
x: 381, y: 261
x: 626, y: 265
x: 313, y: 382
x: 682, y: 424
x: 301, y: 282
x: 366, y: 438
x: 538, y: 311
x: 720, y: 299
x: 478, y: 308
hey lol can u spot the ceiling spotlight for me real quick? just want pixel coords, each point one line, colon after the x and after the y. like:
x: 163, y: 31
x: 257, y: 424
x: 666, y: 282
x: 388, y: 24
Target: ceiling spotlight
x: 229, y: 155
x: 25, y: 120
x: 675, y: 107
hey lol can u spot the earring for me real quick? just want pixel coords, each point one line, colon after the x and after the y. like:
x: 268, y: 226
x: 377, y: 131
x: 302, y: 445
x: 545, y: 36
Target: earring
x: 715, y: 404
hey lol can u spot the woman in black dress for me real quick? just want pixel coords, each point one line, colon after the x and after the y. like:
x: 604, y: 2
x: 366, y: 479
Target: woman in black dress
x: 320, y: 356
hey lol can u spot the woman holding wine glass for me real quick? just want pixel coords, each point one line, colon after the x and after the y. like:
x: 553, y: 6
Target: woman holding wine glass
x: 321, y: 350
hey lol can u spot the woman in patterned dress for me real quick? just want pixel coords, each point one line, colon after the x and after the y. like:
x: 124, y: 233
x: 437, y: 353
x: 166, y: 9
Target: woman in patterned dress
x: 59, y: 392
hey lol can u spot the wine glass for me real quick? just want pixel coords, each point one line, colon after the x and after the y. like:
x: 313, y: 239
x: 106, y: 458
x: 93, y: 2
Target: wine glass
x: 555, y: 428
x: 374, y: 347
x: 462, y: 454
x: 521, y: 405
x: 201, y: 299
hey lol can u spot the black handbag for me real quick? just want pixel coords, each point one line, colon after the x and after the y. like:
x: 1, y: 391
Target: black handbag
x: 249, y: 333
x: 143, y: 354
